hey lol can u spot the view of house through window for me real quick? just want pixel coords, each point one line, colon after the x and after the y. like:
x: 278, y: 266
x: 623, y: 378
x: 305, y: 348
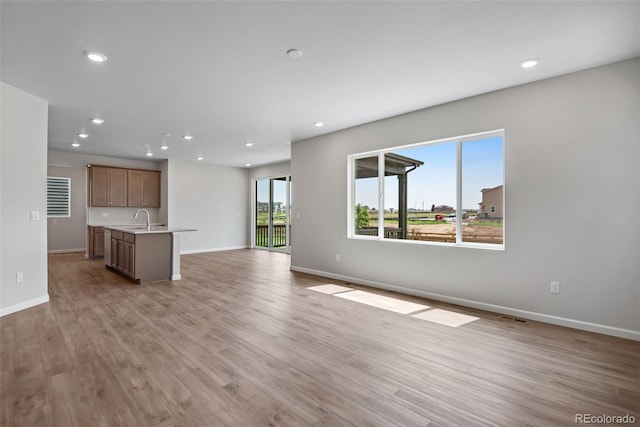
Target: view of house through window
x: 482, y: 183
x: 448, y: 191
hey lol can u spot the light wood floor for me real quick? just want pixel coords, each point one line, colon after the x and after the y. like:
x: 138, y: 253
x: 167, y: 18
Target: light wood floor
x: 240, y: 341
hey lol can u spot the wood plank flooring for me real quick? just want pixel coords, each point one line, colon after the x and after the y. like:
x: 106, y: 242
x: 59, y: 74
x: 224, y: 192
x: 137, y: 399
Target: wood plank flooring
x: 240, y: 341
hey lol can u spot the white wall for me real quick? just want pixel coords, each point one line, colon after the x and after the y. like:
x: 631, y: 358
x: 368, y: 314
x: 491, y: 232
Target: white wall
x: 23, y: 185
x: 212, y: 199
x: 572, y: 203
x: 69, y: 234
x: 270, y: 171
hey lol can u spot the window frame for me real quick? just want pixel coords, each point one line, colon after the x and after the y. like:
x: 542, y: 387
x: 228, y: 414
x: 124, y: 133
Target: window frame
x: 351, y: 191
x: 68, y: 187
x: 459, y: 140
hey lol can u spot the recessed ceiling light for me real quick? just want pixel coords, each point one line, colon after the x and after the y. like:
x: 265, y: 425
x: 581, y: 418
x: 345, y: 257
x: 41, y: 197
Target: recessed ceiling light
x: 294, y: 53
x: 248, y: 144
x: 75, y: 144
x: 97, y: 120
x: 530, y: 63
x: 164, y: 147
x: 188, y: 137
x: 148, y: 154
x: 199, y: 158
x: 318, y: 124
x: 96, y: 56
x: 83, y: 135
x: 248, y: 164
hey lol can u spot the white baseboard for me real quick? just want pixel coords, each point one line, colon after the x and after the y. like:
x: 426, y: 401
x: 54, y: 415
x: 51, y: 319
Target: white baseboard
x: 531, y: 315
x: 24, y: 305
x: 176, y: 277
x: 199, y: 251
x: 65, y: 251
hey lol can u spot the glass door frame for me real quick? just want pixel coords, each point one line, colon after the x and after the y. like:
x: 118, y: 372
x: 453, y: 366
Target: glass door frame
x: 287, y: 210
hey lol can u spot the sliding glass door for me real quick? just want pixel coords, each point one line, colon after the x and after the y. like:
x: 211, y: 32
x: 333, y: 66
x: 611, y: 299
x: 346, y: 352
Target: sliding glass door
x: 272, y: 213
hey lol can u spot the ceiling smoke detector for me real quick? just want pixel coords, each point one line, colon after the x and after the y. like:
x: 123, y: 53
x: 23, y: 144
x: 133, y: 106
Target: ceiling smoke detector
x: 294, y: 53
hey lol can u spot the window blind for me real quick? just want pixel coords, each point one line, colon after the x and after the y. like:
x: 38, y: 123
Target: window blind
x: 58, y: 197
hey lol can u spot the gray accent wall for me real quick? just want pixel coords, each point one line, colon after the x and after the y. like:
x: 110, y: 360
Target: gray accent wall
x: 23, y: 189
x: 572, y: 192
x: 69, y: 234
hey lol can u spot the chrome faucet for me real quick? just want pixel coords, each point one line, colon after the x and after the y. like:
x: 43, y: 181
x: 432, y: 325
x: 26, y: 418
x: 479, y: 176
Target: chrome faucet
x: 148, y: 217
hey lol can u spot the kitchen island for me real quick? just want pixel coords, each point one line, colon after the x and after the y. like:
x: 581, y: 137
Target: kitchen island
x: 143, y: 253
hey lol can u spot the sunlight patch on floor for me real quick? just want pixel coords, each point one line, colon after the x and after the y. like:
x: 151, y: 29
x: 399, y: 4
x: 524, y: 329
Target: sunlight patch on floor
x: 329, y: 289
x: 445, y: 317
x: 436, y: 315
x: 380, y: 301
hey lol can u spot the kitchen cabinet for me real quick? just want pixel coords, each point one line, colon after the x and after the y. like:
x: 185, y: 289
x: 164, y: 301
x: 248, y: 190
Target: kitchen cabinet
x: 96, y: 242
x: 121, y: 187
x: 107, y: 186
x: 117, y: 251
x: 141, y: 257
x: 123, y: 249
x: 143, y: 188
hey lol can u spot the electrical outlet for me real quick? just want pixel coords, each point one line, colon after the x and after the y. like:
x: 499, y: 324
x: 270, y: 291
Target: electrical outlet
x: 19, y: 277
x: 35, y: 215
x: 105, y: 214
x: 337, y: 257
x: 188, y: 239
x: 554, y: 287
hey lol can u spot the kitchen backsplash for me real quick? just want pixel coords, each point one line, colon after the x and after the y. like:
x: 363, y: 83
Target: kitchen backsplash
x: 115, y: 216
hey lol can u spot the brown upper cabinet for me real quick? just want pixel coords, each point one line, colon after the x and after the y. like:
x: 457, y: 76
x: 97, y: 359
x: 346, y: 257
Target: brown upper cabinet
x: 143, y: 188
x: 108, y: 186
x: 120, y: 187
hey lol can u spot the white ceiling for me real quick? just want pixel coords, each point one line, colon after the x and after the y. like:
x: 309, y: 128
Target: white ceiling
x: 219, y: 70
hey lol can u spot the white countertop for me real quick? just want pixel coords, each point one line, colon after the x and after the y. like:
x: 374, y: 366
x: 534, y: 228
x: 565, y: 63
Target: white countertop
x: 123, y: 224
x: 142, y: 229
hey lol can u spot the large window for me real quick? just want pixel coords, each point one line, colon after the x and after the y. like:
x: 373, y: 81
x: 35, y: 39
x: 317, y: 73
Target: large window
x: 447, y: 191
